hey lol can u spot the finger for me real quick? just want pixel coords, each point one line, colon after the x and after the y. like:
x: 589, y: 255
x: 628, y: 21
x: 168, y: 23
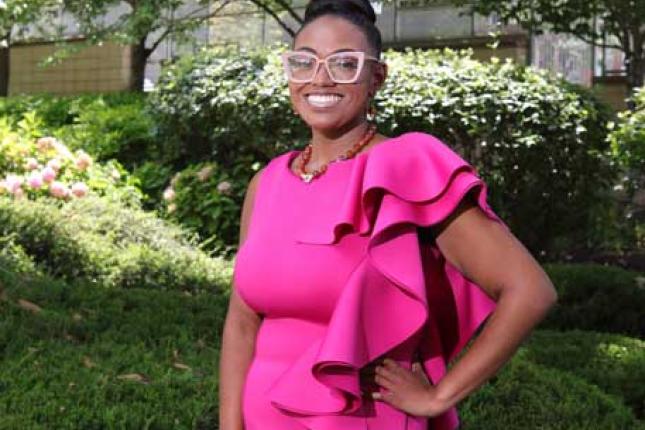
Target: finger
x: 385, y: 383
x: 388, y: 374
x: 385, y: 396
x: 393, y: 369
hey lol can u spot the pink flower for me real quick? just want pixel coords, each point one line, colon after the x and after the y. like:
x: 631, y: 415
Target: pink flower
x: 31, y: 164
x: 205, y: 173
x: 54, y: 163
x: 79, y: 189
x: 13, y: 183
x: 19, y: 193
x: 35, y: 180
x: 169, y: 194
x: 58, y: 189
x: 224, y: 187
x: 83, y: 160
x: 45, y: 143
x: 49, y: 174
x: 62, y: 150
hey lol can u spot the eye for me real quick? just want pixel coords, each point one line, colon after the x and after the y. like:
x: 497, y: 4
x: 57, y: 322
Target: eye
x: 300, y: 62
x: 346, y: 62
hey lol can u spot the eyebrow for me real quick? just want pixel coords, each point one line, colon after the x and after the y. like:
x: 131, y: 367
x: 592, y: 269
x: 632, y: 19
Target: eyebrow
x: 306, y: 48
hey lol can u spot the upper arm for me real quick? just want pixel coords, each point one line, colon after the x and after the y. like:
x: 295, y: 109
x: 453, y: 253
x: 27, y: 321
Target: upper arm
x: 238, y: 309
x: 486, y: 252
x: 247, y: 206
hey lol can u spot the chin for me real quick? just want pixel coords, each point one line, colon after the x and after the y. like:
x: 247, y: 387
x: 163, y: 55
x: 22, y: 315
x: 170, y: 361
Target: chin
x: 320, y: 122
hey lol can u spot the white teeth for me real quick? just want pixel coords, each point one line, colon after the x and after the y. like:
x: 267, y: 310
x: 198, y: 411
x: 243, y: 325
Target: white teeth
x: 323, y: 100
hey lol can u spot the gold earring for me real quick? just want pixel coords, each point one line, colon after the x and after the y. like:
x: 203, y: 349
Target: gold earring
x: 371, y: 111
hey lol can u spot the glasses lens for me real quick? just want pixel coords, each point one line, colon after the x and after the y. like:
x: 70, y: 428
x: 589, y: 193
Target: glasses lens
x: 301, y: 66
x: 344, y: 67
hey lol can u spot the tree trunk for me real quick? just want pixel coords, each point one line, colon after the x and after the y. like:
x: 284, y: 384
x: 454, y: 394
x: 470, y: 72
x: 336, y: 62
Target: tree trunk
x: 5, y: 66
x: 138, y: 60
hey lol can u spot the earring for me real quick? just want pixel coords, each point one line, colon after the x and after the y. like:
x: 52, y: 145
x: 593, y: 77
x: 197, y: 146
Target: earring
x: 371, y: 111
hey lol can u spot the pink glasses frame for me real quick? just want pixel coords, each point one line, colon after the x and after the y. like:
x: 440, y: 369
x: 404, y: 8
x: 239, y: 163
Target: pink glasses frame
x: 360, y: 55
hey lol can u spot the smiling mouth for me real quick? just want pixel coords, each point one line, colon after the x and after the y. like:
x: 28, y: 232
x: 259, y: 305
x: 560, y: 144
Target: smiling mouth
x: 323, y: 100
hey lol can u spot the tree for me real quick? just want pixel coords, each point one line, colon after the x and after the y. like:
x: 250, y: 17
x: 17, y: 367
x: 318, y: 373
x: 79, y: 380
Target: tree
x: 148, y: 23
x: 16, y: 15
x: 616, y: 24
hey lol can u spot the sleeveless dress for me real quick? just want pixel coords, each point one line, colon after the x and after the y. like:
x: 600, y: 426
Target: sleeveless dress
x: 338, y: 271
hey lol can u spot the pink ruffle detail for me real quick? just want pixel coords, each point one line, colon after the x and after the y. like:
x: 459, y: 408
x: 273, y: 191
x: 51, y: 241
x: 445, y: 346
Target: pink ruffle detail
x: 398, y: 291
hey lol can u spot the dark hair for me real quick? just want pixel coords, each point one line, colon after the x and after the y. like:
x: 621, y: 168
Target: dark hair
x: 358, y: 12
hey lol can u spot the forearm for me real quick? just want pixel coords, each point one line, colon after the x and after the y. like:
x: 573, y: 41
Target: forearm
x: 518, y: 311
x: 236, y: 355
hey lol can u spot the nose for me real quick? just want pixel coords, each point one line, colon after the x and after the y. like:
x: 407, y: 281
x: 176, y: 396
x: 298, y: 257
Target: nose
x: 321, y: 76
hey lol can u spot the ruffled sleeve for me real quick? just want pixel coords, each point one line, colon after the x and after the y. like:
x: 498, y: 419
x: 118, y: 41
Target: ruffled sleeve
x: 400, y: 290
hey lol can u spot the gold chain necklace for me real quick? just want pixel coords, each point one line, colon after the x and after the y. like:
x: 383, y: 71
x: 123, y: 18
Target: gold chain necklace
x: 351, y: 152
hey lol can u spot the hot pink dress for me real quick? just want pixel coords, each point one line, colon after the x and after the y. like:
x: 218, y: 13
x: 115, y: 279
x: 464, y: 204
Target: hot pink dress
x: 338, y: 270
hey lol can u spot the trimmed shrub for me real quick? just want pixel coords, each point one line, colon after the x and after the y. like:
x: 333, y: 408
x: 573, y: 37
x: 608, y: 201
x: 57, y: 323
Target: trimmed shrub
x: 525, y: 395
x: 537, y: 140
x: 597, y: 298
x: 614, y: 363
x: 103, y: 242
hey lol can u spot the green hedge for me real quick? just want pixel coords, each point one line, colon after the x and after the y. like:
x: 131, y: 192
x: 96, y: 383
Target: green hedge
x: 67, y: 366
x: 525, y: 395
x: 537, y: 140
x: 614, y: 363
x: 105, y: 243
x: 597, y: 298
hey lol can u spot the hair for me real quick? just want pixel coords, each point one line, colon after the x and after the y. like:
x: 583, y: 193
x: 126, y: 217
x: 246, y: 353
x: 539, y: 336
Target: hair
x: 358, y: 12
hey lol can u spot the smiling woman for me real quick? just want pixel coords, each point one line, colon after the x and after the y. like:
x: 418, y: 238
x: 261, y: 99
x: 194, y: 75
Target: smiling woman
x: 366, y: 262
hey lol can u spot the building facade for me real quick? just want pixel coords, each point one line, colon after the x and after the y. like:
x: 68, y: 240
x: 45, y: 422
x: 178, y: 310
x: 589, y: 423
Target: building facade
x: 402, y: 23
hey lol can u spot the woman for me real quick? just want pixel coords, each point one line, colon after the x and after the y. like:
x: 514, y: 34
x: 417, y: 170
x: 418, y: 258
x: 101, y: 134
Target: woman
x: 366, y: 262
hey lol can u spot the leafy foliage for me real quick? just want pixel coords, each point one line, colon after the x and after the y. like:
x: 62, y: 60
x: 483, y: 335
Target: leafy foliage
x: 105, y: 243
x: 538, y: 141
x: 596, y: 298
x: 612, y: 23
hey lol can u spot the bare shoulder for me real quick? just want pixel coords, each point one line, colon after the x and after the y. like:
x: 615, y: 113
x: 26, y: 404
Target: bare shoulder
x: 247, y: 206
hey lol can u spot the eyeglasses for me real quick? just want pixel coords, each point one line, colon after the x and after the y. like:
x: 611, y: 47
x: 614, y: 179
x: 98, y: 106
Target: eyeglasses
x: 342, y: 67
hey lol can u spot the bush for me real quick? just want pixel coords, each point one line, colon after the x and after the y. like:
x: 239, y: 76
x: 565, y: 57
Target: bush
x: 111, y: 359
x: 35, y: 166
x: 105, y: 243
x: 58, y: 111
x: 538, y: 141
x: 122, y: 132
x: 597, y: 298
x: 204, y: 197
x: 614, y: 363
x: 627, y: 140
x: 525, y: 395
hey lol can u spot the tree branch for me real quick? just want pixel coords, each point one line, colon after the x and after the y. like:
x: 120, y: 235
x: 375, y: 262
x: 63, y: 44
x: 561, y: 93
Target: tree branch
x: 185, y: 18
x: 290, y: 11
x: 275, y: 16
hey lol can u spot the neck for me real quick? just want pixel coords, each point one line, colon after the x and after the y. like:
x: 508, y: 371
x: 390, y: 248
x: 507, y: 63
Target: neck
x: 328, y: 145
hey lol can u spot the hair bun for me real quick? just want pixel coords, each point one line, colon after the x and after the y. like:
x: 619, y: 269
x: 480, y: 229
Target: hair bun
x: 351, y: 7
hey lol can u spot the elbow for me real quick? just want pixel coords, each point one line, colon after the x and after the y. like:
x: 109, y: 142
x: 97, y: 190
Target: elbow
x: 547, y: 296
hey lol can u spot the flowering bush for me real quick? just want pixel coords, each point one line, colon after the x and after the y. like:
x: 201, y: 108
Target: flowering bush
x: 33, y: 166
x: 205, y: 199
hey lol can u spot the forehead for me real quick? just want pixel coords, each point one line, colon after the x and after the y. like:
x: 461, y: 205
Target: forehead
x: 330, y: 33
